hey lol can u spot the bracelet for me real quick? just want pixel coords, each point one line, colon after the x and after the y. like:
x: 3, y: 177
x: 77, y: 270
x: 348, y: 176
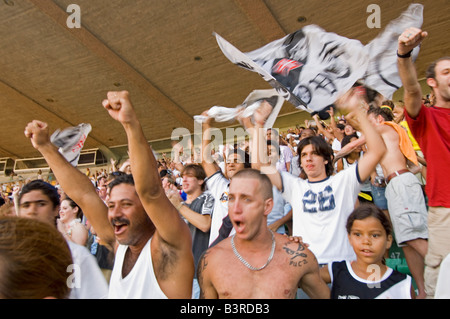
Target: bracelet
x: 404, y: 56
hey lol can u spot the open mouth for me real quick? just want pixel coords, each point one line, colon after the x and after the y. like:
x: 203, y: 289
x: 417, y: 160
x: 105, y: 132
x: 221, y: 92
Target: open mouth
x: 119, y: 225
x: 238, y: 226
x: 366, y: 252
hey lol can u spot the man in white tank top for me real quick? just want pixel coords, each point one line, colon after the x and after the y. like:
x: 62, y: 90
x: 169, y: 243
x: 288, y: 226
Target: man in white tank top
x: 151, y: 241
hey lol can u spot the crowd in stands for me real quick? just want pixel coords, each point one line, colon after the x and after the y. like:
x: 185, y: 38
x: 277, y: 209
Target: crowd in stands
x: 303, y: 212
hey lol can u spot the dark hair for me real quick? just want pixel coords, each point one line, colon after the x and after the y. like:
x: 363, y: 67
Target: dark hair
x: 322, y: 148
x: 431, y: 70
x: 72, y: 204
x: 274, y: 144
x: 122, y: 179
x: 369, y: 210
x: 348, y: 138
x: 164, y: 173
x: 243, y: 155
x: 386, y: 113
x: 50, y: 191
x: 388, y: 103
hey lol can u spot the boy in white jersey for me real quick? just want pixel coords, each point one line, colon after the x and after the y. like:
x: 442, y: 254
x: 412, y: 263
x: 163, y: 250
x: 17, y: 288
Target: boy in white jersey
x: 151, y: 241
x: 322, y: 202
x: 218, y: 183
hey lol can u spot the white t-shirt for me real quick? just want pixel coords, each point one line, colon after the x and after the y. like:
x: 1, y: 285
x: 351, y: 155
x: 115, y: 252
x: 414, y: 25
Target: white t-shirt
x: 278, y: 210
x: 218, y: 186
x: 285, y: 157
x: 140, y: 283
x: 320, y: 212
x: 336, y: 146
x: 89, y: 281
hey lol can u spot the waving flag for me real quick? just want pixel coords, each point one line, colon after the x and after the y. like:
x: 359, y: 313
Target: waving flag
x: 71, y: 141
x: 311, y: 68
x: 382, y: 73
x: 246, y: 109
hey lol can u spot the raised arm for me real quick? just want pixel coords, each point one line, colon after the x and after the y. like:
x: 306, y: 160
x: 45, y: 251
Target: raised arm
x: 170, y: 227
x: 74, y: 183
x: 259, y: 156
x: 201, y: 221
x: 208, y: 163
x: 408, y: 40
x: 336, y: 131
x: 355, y: 106
x: 321, y: 129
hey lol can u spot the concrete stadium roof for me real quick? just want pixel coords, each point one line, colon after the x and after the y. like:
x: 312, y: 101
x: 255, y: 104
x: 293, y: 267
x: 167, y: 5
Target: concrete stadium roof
x: 163, y: 53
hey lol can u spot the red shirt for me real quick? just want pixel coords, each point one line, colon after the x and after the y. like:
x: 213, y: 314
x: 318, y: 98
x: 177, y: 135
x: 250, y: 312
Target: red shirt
x: 431, y: 128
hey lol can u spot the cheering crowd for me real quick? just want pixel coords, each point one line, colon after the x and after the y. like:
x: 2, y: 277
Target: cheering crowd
x: 307, y: 213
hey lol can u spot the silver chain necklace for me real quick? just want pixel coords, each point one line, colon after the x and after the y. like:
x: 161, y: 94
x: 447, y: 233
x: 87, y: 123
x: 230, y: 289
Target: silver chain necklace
x: 246, y: 264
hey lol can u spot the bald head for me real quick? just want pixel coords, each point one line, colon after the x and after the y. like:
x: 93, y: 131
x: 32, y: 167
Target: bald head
x: 265, y: 185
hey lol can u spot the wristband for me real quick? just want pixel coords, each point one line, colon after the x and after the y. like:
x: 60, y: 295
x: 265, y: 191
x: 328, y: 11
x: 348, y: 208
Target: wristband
x: 405, y: 56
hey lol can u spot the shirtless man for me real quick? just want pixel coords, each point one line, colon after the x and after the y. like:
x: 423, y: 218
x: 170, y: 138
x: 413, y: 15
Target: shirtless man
x: 260, y: 264
x: 138, y: 220
x: 406, y: 203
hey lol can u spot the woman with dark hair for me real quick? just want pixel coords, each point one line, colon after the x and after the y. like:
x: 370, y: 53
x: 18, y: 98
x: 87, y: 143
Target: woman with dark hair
x: 69, y: 222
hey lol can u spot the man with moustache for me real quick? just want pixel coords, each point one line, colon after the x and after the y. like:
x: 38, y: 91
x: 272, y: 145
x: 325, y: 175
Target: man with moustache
x: 152, y: 244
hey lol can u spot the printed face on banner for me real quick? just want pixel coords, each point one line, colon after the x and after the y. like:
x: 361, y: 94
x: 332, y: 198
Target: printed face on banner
x: 313, y: 65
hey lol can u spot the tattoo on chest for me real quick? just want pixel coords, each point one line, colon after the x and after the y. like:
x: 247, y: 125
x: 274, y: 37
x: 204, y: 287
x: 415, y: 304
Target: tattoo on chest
x: 297, y: 256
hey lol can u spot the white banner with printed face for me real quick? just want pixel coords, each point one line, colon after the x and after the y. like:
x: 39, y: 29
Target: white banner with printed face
x: 311, y: 68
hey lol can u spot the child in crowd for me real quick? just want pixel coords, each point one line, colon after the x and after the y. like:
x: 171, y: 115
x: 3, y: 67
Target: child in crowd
x: 368, y: 277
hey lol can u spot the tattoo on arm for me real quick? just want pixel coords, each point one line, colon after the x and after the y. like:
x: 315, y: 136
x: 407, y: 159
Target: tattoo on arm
x: 202, y: 264
x: 297, y: 255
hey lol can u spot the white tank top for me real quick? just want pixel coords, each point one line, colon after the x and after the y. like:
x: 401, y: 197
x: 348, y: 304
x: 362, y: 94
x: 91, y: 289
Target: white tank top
x: 140, y: 283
